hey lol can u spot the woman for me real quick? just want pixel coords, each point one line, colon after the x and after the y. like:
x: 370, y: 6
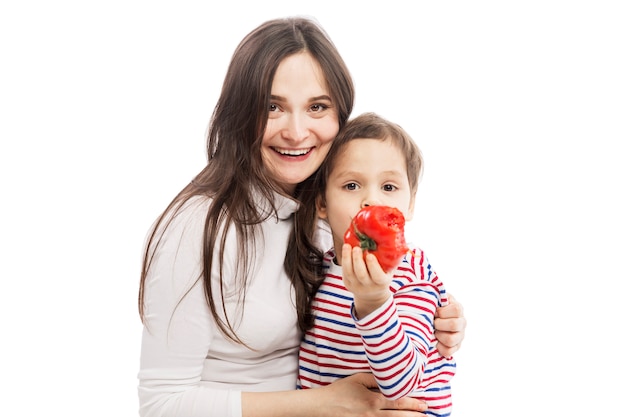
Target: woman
x: 223, y: 312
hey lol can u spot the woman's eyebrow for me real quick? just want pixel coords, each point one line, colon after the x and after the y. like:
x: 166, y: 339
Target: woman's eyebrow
x: 322, y: 97
x: 316, y: 98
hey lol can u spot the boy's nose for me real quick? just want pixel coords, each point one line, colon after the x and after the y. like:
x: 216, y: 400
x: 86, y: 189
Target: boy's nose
x: 369, y: 201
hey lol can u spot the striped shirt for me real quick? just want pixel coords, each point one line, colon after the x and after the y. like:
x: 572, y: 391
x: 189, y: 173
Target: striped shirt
x: 396, y: 342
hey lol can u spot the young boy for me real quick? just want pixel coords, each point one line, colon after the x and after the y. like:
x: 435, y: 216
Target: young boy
x: 366, y: 320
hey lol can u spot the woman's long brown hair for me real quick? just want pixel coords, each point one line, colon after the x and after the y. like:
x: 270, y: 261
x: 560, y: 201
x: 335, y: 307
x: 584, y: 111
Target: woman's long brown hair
x: 235, y: 169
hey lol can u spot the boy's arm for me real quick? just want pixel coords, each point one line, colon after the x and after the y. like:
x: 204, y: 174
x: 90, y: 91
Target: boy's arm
x: 398, y: 335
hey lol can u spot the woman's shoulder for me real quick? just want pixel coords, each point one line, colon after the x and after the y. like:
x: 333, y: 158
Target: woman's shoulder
x: 186, y: 215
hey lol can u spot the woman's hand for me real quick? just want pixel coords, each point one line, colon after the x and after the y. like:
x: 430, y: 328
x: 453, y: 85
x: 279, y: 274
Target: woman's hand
x: 352, y: 396
x: 356, y: 396
x: 450, y: 327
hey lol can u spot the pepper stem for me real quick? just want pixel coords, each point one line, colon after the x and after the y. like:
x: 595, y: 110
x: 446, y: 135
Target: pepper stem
x: 367, y: 243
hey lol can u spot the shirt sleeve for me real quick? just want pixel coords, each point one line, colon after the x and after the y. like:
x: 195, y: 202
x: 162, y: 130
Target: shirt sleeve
x: 398, y: 335
x: 175, y: 343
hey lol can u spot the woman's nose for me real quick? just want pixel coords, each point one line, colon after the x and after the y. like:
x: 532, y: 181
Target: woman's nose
x: 296, y: 129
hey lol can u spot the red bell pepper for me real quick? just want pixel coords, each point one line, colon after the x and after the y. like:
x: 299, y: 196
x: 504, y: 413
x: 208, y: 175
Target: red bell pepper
x: 379, y: 230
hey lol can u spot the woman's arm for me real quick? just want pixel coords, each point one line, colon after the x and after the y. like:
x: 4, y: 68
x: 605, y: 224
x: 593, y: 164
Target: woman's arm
x: 348, y: 397
x: 178, y: 327
x: 179, y: 332
x: 450, y: 325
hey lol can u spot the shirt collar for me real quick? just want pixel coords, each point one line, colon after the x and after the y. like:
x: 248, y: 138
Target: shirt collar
x: 285, y: 206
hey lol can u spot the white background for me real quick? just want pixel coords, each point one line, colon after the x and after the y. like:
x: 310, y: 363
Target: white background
x: 520, y: 111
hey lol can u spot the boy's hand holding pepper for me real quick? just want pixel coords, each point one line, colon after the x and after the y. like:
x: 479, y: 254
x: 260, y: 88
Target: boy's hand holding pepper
x: 374, y: 246
x: 365, y: 279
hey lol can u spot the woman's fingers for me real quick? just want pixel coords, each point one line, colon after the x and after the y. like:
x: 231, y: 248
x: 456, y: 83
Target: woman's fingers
x: 450, y: 326
x: 392, y: 408
x: 454, y: 309
x: 446, y: 343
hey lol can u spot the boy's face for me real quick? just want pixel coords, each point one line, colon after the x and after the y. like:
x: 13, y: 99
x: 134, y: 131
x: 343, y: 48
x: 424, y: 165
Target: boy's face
x: 367, y: 172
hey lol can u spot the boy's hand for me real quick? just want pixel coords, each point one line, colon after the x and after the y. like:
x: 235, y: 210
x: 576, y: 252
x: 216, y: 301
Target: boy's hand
x: 365, y: 279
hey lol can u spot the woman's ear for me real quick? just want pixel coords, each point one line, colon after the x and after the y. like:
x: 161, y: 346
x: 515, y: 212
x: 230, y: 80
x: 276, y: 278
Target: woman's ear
x: 320, y: 206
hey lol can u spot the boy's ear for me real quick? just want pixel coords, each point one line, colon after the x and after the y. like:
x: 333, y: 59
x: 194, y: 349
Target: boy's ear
x: 320, y: 206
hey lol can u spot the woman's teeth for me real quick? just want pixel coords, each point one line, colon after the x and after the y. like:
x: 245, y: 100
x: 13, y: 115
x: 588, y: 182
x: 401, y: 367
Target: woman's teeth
x: 293, y: 152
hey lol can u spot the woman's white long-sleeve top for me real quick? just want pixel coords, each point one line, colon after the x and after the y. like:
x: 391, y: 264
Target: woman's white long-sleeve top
x: 188, y: 367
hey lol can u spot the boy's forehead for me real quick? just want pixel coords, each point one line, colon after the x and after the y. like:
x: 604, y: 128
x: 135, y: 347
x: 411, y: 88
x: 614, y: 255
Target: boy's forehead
x: 367, y: 145
x: 369, y: 155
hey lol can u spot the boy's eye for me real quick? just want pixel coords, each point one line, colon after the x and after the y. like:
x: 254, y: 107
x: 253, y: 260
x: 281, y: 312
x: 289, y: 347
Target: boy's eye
x: 350, y: 186
x: 389, y: 187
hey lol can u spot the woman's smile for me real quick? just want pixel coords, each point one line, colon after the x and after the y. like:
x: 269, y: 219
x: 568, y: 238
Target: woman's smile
x: 292, y: 152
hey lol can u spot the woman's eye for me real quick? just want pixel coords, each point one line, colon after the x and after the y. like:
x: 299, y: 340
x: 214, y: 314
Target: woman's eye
x: 318, y: 108
x: 273, y: 108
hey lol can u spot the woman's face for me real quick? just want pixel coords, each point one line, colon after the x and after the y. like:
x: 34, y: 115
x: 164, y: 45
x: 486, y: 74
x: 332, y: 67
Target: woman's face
x: 302, y: 121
